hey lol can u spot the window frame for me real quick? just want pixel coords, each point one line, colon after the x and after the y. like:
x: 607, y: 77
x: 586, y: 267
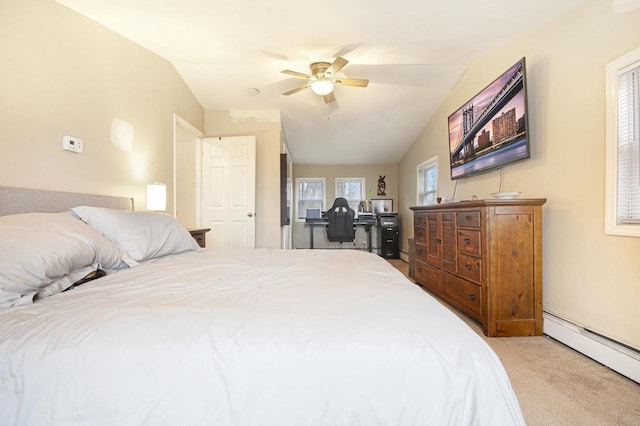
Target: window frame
x: 612, y: 71
x: 297, y: 194
x: 363, y: 190
x: 430, y: 163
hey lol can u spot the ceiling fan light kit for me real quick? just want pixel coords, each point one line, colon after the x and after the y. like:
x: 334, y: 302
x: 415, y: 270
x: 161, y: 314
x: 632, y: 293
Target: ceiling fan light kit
x: 322, y: 79
x: 322, y: 87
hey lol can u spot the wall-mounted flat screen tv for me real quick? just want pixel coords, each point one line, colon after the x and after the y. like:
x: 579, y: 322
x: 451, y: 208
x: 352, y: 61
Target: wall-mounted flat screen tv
x: 490, y: 130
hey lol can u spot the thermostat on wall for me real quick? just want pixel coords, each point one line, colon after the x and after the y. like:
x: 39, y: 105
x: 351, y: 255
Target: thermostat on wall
x: 70, y: 143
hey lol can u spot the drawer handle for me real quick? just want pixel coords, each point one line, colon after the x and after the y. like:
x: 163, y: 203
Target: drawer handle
x: 467, y: 241
x: 467, y: 266
x: 438, y: 240
x: 472, y: 297
x: 468, y: 217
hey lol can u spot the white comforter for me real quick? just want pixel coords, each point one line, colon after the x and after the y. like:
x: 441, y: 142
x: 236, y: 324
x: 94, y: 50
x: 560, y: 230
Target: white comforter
x: 249, y: 337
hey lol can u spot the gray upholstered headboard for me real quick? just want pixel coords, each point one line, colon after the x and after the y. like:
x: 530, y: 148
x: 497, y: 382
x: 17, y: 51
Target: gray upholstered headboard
x: 24, y: 200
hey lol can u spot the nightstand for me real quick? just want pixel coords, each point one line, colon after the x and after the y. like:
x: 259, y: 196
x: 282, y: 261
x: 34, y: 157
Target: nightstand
x: 199, y: 235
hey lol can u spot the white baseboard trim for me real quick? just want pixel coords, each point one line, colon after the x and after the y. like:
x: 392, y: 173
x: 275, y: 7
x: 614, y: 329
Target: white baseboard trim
x: 616, y: 356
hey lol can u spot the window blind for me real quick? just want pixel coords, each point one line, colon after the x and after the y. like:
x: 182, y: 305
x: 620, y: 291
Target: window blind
x: 352, y: 189
x: 310, y: 195
x: 427, y: 183
x: 629, y: 145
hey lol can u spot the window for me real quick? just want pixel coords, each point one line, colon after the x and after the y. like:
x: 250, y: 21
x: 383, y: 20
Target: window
x: 622, y: 209
x: 352, y: 189
x: 310, y: 194
x: 427, y: 182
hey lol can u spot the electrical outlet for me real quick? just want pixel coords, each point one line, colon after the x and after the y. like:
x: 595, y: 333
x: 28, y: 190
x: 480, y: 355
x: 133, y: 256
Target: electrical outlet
x: 69, y: 143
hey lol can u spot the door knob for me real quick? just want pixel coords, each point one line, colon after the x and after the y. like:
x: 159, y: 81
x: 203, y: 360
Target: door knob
x: 250, y: 214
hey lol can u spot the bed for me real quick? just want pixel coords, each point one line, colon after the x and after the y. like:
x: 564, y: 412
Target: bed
x: 174, y: 334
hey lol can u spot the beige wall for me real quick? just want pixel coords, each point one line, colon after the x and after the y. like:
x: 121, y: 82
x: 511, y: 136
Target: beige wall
x: 186, y: 177
x: 589, y: 277
x: 301, y: 235
x: 268, y: 146
x: 63, y: 74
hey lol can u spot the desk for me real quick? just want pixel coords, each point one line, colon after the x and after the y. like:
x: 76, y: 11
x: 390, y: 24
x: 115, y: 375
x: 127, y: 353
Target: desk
x: 367, y: 223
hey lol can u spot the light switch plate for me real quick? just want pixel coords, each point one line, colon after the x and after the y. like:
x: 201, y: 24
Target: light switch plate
x: 72, y: 144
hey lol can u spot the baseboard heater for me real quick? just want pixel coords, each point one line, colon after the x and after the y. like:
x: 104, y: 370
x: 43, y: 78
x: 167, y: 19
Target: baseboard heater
x: 616, y: 355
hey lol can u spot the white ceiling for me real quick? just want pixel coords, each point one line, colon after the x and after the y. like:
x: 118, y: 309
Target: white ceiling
x: 412, y: 51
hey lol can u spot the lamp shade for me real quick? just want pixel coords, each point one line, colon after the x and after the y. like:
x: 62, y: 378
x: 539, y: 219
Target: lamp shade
x: 157, y: 197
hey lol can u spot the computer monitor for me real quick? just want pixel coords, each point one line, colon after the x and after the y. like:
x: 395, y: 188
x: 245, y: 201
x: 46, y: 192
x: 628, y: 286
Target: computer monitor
x: 313, y: 214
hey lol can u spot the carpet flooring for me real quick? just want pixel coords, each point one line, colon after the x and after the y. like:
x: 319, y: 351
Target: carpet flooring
x: 556, y: 385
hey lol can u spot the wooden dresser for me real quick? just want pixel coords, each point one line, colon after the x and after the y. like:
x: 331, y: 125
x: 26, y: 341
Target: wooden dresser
x: 485, y: 258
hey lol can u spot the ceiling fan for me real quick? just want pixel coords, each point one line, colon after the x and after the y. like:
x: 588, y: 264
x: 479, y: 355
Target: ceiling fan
x: 322, y: 79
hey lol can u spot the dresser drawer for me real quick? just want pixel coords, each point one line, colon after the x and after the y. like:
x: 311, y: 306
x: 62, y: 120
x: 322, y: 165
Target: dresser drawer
x: 420, y: 234
x: 469, y: 241
x: 470, y: 267
x: 200, y: 239
x: 427, y: 276
x: 469, y: 219
x: 421, y: 252
x: 419, y: 219
x: 463, y: 295
x: 200, y: 236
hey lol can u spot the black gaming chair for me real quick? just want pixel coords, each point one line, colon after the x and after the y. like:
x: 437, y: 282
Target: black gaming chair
x: 340, y: 217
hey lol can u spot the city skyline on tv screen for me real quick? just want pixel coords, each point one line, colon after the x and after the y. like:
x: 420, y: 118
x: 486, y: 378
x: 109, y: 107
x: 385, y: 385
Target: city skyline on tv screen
x: 490, y: 130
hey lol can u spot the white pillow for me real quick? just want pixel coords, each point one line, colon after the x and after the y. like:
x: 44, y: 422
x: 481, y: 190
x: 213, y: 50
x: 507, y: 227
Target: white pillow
x: 143, y: 235
x: 45, y: 253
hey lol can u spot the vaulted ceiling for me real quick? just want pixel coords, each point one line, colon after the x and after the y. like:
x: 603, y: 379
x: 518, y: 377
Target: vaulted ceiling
x: 411, y: 51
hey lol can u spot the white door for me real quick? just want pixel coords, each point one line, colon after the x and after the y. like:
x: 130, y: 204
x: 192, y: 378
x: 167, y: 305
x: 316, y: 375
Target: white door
x: 228, y: 191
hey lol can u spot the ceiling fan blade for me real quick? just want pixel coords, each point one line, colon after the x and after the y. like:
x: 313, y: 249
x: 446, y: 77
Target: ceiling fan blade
x: 328, y: 98
x: 295, y: 73
x: 337, y: 65
x: 296, y: 90
x: 358, y: 82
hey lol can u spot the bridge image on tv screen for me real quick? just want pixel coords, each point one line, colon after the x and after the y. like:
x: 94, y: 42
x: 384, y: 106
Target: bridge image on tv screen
x: 490, y: 130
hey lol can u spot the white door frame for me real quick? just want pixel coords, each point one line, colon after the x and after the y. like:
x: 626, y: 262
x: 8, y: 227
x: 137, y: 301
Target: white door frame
x: 181, y: 122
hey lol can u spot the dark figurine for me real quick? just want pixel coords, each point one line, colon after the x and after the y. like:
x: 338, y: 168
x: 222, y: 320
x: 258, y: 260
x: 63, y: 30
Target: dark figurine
x: 382, y: 187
